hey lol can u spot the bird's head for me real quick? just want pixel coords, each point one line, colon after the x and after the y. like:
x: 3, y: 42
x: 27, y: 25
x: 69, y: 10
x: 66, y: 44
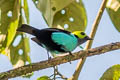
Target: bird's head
x: 81, y: 35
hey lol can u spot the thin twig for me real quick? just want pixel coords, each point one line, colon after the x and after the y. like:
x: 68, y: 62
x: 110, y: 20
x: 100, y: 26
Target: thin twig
x: 89, y: 43
x: 57, y: 61
x: 58, y: 73
x: 62, y: 76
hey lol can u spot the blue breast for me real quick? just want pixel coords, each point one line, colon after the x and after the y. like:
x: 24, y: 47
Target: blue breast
x: 68, y: 41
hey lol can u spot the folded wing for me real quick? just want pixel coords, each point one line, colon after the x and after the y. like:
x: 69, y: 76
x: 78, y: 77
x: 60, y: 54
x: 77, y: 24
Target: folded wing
x: 68, y: 42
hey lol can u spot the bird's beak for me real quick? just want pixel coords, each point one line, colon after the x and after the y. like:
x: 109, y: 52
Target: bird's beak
x: 88, y: 38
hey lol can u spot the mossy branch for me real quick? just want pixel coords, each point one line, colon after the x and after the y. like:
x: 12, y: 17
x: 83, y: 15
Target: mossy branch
x: 58, y: 60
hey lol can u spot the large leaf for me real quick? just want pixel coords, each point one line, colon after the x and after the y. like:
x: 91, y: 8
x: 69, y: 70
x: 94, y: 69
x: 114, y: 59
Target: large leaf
x: 12, y: 17
x: 66, y: 14
x: 6, y: 8
x: 19, y: 54
x: 113, y: 73
x: 113, y: 9
x: 73, y: 19
x: 50, y: 7
x: 13, y: 23
x: 10, y: 10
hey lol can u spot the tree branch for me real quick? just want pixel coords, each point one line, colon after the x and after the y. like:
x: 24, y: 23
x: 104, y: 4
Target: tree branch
x: 89, y: 43
x: 58, y: 60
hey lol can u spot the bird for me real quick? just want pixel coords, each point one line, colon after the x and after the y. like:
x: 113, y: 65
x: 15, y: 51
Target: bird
x: 54, y: 40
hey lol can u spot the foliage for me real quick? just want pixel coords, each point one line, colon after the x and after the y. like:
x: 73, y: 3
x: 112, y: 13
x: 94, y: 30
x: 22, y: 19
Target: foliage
x: 11, y: 17
x: 43, y: 78
x: 70, y: 15
x: 113, y: 73
x: 64, y: 14
x: 113, y: 9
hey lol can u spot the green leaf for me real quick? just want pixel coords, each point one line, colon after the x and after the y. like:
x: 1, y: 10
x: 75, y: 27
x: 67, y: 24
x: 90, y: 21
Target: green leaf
x: 35, y: 1
x: 19, y: 54
x: 65, y: 14
x: 11, y: 17
x: 113, y: 73
x: 43, y: 78
x: 13, y: 23
x: 9, y: 21
x: 6, y: 9
x: 74, y: 18
x: 113, y: 9
x: 26, y: 10
x: 50, y: 7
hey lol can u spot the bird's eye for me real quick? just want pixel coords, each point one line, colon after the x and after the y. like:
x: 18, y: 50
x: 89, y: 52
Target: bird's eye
x: 82, y: 33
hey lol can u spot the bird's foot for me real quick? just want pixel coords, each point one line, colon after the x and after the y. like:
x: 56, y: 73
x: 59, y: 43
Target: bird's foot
x: 69, y: 57
x: 70, y: 53
x: 49, y: 58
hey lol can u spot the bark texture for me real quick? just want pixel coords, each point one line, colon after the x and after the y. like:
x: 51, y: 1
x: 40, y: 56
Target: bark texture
x: 58, y: 60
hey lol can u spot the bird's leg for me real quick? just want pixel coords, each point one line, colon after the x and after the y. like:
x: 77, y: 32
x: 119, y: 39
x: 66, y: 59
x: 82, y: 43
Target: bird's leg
x: 48, y: 55
x: 70, y: 53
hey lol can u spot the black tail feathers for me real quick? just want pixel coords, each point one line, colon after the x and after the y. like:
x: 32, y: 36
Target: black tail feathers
x: 26, y: 28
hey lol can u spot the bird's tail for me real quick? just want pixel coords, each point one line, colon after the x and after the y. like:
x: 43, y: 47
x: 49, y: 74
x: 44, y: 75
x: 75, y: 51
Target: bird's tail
x: 26, y: 28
